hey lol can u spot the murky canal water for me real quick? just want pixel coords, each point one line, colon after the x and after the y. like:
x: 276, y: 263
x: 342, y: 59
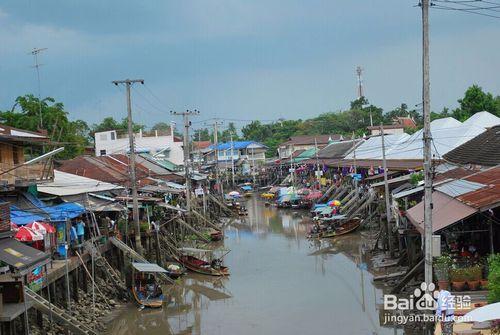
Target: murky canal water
x: 280, y: 283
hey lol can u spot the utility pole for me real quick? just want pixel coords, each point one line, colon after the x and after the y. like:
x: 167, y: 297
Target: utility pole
x: 35, y: 52
x: 232, y: 158
x: 386, y: 190
x: 317, y: 161
x: 187, y: 124
x: 133, y: 181
x: 427, y: 137
x: 216, y: 144
x: 355, y: 164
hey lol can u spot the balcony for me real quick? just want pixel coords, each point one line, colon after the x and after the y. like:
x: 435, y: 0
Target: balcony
x: 26, y: 175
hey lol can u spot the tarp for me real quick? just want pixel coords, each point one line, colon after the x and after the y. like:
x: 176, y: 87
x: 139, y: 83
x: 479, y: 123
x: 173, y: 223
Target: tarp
x: 64, y: 211
x: 148, y: 267
x: 20, y: 256
x: 446, y: 211
x: 21, y: 218
x: 71, y: 184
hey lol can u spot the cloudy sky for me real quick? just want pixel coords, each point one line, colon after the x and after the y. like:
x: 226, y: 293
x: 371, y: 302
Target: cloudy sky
x: 240, y: 59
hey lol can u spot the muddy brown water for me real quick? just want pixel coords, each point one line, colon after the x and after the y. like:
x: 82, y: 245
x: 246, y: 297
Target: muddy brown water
x: 280, y: 283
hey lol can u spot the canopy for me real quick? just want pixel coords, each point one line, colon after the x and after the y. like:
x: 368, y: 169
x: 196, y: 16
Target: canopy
x: 148, y: 267
x: 195, y: 250
x: 314, y: 195
x: 246, y: 188
x: 26, y: 234
x: 20, y: 217
x: 326, y: 210
x: 20, y: 256
x: 446, y: 211
x: 485, y: 313
x: 64, y: 211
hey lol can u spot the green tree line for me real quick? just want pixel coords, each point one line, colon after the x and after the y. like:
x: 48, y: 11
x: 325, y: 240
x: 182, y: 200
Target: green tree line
x: 75, y: 135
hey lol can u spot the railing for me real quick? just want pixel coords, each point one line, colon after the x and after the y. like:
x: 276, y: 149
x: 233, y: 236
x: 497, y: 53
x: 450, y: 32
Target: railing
x: 26, y: 174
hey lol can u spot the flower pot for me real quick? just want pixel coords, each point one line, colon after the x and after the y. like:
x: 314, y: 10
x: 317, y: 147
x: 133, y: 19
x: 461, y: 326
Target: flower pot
x: 484, y: 284
x: 458, y: 285
x: 473, y: 284
x: 444, y: 285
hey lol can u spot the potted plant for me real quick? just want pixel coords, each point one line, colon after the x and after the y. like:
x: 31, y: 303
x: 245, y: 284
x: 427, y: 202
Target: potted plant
x: 442, y: 266
x: 474, y: 275
x: 4, y: 267
x: 458, y: 278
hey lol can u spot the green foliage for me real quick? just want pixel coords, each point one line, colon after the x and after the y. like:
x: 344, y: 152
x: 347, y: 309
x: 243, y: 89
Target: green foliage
x: 442, y: 265
x: 474, y: 101
x: 109, y: 123
x: 416, y: 177
x: 201, y: 134
x: 458, y: 274
x: 494, y: 278
x: 73, y: 135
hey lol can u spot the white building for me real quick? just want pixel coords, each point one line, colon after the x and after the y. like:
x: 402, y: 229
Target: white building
x: 167, y: 146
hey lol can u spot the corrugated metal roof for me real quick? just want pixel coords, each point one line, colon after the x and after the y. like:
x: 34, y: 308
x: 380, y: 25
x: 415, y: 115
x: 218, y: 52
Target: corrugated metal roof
x: 458, y: 187
x: 445, y: 212
x: 486, y: 197
x: 148, y: 267
x: 71, y: 184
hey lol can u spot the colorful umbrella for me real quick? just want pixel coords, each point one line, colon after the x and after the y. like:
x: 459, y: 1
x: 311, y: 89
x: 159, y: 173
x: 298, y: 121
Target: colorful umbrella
x: 314, y: 195
x: 14, y: 227
x: 26, y: 234
x: 41, y: 227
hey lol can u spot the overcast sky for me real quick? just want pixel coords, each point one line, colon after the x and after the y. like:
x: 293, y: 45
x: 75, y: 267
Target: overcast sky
x: 240, y: 59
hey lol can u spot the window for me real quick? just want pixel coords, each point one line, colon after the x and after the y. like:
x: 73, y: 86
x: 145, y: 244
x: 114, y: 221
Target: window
x: 103, y: 137
x: 113, y: 136
x: 102, y: 152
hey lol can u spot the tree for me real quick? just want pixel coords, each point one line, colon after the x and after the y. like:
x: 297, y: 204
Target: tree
x: 476, y: 100
x: 161, y: 127
x: 73, y: 135
x: 201, y: 134
x: 109, y: 123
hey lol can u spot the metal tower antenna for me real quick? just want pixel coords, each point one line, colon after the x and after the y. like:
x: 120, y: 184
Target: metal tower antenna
x: 359, y: 72
x: 37, y: 65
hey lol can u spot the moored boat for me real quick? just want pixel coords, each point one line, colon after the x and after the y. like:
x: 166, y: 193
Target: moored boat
x: 145, y: 290
x: 342, y: 229
x: 212, y: 266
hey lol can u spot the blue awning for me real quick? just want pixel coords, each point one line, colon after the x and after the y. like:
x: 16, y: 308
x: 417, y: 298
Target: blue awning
x: 21, y: 218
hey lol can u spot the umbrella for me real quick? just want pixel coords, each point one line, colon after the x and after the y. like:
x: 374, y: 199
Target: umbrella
x: 41, y: 227
x: 485, y: 313
x: 234, y: 194
x: 314, y: 195
x: 334, y: 203
x: 304, y: 191
x: 26, y: 234
x: 14, y: 227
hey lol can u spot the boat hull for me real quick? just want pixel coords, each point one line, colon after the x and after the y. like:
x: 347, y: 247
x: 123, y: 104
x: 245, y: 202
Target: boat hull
x: 197, y: 265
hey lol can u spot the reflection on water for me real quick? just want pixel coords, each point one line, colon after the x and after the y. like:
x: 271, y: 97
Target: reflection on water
x: 280, y: 283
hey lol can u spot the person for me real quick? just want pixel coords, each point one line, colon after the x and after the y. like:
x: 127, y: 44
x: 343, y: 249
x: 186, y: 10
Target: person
x: 445, y: 311
x: 80, y: 230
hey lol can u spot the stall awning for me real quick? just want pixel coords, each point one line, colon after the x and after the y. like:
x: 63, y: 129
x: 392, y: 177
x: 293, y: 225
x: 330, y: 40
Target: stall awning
x: 446, y: 211
x: 148, y: 267
x: 21, y: 256
x: 21, y: 218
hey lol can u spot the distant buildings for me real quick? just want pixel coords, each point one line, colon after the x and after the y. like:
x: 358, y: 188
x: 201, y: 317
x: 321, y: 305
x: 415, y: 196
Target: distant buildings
x: 397, y: 127
x: 250, y: 151
x: 306, y: 142
x: 165, y: 146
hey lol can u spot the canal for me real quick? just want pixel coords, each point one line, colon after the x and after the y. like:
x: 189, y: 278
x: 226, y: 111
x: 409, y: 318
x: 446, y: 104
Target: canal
x: 280, y: 283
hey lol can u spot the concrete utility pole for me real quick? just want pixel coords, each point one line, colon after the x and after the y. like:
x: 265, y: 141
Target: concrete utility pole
x: 216, y: 144
x: 187, y: 124
x: 133, y: 180
x: 427, y: 137
x: 386, y: 190
x: 232, y: 158
x: 35, y: 52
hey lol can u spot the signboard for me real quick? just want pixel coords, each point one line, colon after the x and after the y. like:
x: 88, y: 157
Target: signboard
x: 199, y: 192
x: 436, y: 245
x: 291, y: 170
x: 35, y: 279
x: 318, y: 174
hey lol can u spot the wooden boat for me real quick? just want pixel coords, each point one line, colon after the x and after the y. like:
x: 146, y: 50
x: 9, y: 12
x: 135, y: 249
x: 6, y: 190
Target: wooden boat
x: 145, y: 290
x: 203, y: 267
x: 216, y: 235
x: 174, y: 269
x: 344, y: 228
x: 213, y: 267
